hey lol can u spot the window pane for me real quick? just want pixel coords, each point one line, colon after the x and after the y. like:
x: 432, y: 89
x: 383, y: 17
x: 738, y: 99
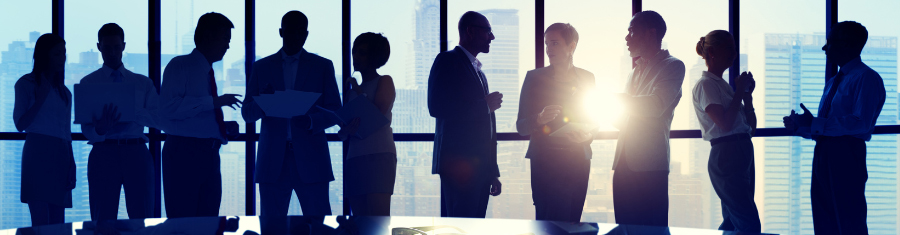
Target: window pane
x: 880, y: 54
x: 32, y: 18
x: 179, y: 19
x: 82, y: 22
x: 783, y: 50
x: 324, y: 32
x: 512, y: 52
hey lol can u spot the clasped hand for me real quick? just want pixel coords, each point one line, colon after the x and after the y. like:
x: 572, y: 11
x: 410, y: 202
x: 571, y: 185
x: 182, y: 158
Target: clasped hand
x: 795, y: 121
x: 494, y: 100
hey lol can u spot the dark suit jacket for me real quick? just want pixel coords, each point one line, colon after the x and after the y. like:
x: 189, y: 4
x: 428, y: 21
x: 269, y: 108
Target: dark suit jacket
x: 314, y: 74
x: 466, y: 128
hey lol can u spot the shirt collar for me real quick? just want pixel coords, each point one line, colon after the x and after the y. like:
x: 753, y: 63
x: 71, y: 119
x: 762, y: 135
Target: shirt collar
x: 472, y: 58
x: 199, y: 57
x: 662, y: 54
x: 284, y: 55
x: 712, y: 76
x: 850, y: 66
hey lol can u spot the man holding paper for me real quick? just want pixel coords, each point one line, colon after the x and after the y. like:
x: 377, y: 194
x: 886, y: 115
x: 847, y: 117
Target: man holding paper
x: 119, y: 156
x: 293, y: 152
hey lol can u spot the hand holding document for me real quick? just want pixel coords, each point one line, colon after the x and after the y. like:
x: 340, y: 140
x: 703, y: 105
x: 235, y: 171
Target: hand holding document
x: 574, y: 128
x: 370, y: 117
x: 286, y: 104
x: 90, y: 99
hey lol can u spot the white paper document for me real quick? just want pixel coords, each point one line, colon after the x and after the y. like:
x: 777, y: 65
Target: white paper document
x: 90, y: 99
x: 573, y: 126
x: 286, y: 104
x: 370, y: 117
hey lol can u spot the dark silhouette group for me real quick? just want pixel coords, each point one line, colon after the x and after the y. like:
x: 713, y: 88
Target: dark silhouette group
x: 293, y: 154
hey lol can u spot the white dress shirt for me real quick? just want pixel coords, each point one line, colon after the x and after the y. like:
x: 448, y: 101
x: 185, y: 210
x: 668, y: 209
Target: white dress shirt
x: 146, y: 105
x: 54, y: 116
x: 712, y: 89
x: 290, y: 66
x: 185, y: 104
x: 855, y: 106
x: 654, y: 86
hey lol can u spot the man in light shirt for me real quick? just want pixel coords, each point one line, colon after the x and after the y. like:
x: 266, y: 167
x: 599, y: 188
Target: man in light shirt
x: 119, y: 155
x: 293, y: 152
x: 192, y: 109
x: 848, y: 112
x: 653, y: 89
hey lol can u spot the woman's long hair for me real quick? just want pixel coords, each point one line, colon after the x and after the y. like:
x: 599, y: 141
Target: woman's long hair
x: 41, y: 57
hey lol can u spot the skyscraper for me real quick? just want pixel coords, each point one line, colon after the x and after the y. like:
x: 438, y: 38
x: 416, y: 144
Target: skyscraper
x: 795, y: 73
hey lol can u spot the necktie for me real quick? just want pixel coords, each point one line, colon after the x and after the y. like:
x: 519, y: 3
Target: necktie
x: 213, y: 91
x: 830, y: 96
x: 117, y: 76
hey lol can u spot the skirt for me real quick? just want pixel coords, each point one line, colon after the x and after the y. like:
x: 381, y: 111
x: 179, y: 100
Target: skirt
x: 48, y: 170
x: 373, y: 173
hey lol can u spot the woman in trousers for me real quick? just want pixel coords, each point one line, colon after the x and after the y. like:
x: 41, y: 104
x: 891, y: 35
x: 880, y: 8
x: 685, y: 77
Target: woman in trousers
x: 727, y: 121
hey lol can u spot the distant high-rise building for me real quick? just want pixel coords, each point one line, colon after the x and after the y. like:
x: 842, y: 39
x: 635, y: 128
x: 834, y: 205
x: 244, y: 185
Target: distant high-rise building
x: 427, y: 43
x: 795, y: 73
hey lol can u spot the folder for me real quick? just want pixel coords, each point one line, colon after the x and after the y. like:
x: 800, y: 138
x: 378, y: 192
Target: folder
x: 572, y: 127
x: 286, y: 104
x: 91, y: 97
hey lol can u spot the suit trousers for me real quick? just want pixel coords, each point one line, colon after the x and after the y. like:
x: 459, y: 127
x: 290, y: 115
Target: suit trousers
x: 838, y: 186
x: 559, y: 184
x: 275, y: 197
x: 111, y: 166
x: 733, y: 175
x: 465, y: 193
x: 192, y: 178
x: 640, y: 198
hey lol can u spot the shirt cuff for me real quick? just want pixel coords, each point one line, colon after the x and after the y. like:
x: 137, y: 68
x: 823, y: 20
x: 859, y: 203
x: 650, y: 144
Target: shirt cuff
x: 818, y: 126
x: 804, y: 132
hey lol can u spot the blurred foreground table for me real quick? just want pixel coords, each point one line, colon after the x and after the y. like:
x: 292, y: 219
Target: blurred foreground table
x: 397, y: 225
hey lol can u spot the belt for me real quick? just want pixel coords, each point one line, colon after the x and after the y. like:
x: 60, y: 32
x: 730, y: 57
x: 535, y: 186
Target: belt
x: 838, y: 138
x: 212, y: 142
x: 730, y: 138
x: 124, y: 141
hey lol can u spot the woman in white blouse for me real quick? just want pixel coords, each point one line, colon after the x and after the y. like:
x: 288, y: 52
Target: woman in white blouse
x: 43, y: 110
x: 727, y: 121
x: 371, y: 165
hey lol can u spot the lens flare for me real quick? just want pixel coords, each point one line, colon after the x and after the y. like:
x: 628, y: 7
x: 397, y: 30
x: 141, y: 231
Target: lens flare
x: 603, y: 107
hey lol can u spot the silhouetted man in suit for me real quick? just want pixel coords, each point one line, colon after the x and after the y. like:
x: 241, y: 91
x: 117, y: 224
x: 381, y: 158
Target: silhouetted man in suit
x: 641, y: 167
x: 465, y: 141
x: 848, y: 111
x: 293, y: 153
x: 192, y: 112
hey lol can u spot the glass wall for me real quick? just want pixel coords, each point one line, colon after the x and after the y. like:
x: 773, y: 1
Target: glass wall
x: 782, y: 47
x: 31, y: 19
